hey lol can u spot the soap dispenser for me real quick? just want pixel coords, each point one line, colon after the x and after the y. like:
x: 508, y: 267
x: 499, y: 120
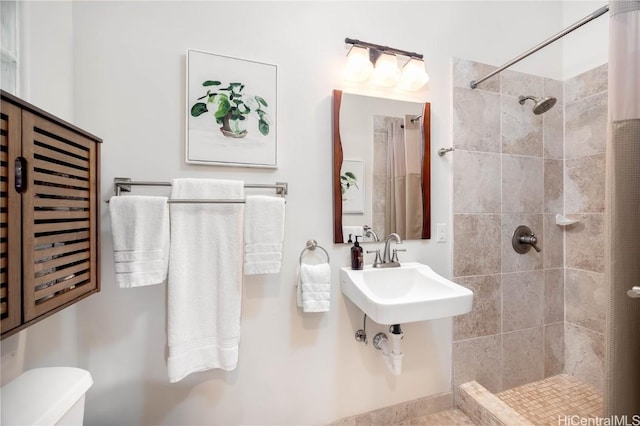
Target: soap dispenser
x: 357, y: 255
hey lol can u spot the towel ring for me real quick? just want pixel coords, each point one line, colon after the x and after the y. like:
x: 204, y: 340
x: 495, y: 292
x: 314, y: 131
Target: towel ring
x: 312, y: 245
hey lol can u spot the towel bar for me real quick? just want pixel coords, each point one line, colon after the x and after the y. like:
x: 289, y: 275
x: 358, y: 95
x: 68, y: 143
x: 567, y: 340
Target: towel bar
x: 124, y: 185
x: 312, y: 245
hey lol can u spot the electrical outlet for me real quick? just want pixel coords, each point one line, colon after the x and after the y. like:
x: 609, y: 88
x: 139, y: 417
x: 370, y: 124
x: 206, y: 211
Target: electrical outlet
x: 441, y: 232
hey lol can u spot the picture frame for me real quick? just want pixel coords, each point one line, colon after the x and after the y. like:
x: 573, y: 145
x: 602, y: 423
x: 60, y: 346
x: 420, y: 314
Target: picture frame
x: 352, y: 182
x: 230, y: 111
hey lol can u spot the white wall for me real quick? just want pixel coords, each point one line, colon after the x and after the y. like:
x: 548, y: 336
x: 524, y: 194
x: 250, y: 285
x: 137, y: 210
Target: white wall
x: 588, y: 46
x: 129, y: 78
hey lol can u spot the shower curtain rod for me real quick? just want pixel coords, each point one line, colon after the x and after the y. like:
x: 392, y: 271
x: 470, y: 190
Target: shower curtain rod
x: 604, y: 9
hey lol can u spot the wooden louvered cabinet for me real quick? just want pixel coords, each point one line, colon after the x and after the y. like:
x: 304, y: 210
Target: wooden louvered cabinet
x: 49, y: 230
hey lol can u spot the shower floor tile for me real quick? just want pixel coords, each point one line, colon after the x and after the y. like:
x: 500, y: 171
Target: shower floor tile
x: 554, y: 400
x: 451, y: 417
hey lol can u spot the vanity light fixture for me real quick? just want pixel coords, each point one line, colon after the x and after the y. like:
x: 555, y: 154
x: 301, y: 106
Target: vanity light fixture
x: 379, y: 64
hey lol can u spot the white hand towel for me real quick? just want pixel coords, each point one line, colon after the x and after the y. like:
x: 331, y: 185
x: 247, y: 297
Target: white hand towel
x: 314, y: 287
x: 140, y: 231
x: 263, y: 234
x: 205, y: 277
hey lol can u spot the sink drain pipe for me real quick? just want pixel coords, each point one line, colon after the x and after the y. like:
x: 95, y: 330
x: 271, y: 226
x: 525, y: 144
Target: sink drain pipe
x: 391, y: 348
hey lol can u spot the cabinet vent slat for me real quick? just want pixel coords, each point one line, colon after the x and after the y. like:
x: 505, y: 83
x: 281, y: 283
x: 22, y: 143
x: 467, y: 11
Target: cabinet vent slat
x: 3, y: 154
x: 50, y: 190
x: 54, y: 156
x: 4, y: 125
x: 60, y: 260
x: 61, y: 145
x: 50, y: 215
x: 60, y: 273
x: 61, y: 292
x: 3, y: 309
x: 60, y: 180
x: 41, y: 228
x: 52, y: 168
x: 3, y: 262
x: 59, y: 250
x: 66, y: 237
x: 53, y: 203
x: 3, y: 281
x: 3, y: 290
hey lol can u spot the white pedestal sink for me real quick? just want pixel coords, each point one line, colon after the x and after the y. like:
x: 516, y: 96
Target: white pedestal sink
x: 409, y: 293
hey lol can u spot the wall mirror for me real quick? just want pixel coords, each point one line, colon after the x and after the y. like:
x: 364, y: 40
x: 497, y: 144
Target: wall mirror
x: 381, y: 168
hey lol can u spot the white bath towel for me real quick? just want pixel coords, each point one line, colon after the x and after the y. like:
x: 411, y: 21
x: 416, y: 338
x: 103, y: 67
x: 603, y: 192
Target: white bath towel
x: 140, y: 231
x: 314, y: 287
x: 263, y: 234
x: 205, y: 277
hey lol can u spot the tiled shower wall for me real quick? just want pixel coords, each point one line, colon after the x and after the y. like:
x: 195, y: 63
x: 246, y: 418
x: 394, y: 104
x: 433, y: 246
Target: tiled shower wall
x: 511, y: 167
x: 508, y: 171
x: 584, y: 177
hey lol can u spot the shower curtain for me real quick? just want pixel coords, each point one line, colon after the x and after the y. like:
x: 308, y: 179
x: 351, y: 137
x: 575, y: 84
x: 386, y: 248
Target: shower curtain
x: 395, y: 202
x: 403, y: 204
x: 622, y: 223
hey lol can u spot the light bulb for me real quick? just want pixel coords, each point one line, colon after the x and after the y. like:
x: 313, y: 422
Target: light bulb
x: 386, y: 72
x: 358, y: 67
x: 413, y: 75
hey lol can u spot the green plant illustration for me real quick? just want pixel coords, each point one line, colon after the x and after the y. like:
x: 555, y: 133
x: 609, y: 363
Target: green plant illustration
x: 231, y: 107
x: 347, y: 180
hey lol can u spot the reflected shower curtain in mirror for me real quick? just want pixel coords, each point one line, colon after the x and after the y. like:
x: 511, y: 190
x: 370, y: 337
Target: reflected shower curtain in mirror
x: 403, y: 204
x: 622, y: 211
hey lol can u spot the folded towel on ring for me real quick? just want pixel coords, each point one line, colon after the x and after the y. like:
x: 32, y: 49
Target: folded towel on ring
x: 314, y: 287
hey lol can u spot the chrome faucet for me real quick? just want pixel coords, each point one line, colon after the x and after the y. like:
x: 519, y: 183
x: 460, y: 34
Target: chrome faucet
x: 368, y: 232
x: 388, y: 260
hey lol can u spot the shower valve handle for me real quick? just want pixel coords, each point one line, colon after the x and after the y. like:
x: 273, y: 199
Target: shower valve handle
x: 531, y: 240
x: 523, y: 239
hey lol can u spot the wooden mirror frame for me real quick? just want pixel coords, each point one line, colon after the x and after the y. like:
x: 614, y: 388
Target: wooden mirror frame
x: 337, y: 165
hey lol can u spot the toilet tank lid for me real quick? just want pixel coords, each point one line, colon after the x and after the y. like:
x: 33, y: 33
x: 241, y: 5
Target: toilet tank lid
x: 43, y: 395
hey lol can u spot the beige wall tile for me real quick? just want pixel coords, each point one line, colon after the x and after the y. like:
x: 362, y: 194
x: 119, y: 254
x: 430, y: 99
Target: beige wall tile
x: 584, y: 355
x: 476, y: 244
x: 516, y: 262
x: 586, y: 126
x: 522, y: 300
x: 586, y: 84
x: 585, y: 184
x: 479, y: 359
x: 464, y: 71
x: 553, y: 349
x: 522, y: 184
x: 554, y: 88
x: 553, y: 186
x: 521, y: 128
x: 476, y: 182
x: 553, y: 249
x: 516, y: 83
x: 585, y: 243
x: 553, y: 120
x: 523, y: 356
x: 476, y: 120
x: 586, y: 299
x: 485, y: 317
x: 553, y: 295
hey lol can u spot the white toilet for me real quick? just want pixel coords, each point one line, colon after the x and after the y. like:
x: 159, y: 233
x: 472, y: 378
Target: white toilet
x: 45, y: 396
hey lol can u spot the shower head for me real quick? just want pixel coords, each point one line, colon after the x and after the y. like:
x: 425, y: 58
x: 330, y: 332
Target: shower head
x: 541, y: 106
